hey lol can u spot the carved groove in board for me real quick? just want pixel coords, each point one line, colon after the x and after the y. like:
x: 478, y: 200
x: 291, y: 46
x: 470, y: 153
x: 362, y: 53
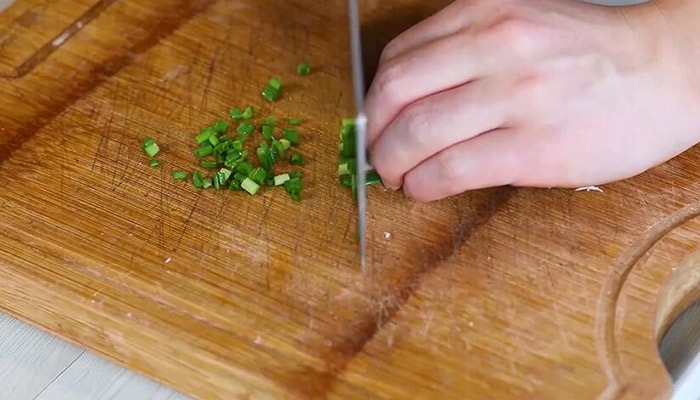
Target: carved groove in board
x: 608, y: 300
x: 48, y: 48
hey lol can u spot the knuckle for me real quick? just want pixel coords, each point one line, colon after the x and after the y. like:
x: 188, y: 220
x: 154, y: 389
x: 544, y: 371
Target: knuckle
x: 388, y: 81
x: 448, y: 169
x: 418, y: 124
x: 391, y: 49
x: 514, y: 32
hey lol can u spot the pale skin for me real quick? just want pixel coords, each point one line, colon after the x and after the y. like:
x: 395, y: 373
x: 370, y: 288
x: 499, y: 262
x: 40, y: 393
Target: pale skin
x: 544, y: 93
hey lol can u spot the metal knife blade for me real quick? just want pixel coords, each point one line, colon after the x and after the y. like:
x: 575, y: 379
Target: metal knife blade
x: 360, y: 125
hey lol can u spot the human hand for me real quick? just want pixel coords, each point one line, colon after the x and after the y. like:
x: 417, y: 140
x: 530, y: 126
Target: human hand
x: 532, y: 93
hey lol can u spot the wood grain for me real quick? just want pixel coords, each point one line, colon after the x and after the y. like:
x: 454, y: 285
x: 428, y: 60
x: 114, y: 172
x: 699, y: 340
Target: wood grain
x: 501, y: 293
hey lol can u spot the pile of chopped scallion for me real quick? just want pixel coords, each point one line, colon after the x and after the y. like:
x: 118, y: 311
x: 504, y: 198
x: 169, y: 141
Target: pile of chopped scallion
x: 222, y: 151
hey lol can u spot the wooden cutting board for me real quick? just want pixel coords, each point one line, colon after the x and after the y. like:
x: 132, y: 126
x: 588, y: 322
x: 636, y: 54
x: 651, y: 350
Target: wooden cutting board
x: 496, y: 294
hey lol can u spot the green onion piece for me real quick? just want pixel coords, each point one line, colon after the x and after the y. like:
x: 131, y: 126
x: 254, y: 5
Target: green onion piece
x: 285, y: 143
x: 147, y: 141
x: 248, y: 113
x: 206, y: 183
x: 281, y: 179
x: 348, y: 142
x: 343, y: 169
x: 217, y: 181
x: 294, y: 188
x: 267, y: 132
x: 244, y: 167
x: 150, y: 147
x: 223, y: 175
x: 373, y: 178
x: 270, y: 121
x: 239, y: 176
x: 208, y: 164
x: 244, y: 154
x: 197, y: 179
x: 295, y: 174
x: 270, y: 94
x: 292, y: 135
x: 270, y: 181
x: 265, y: 155
x: 294, y: 121
x: 250, y: 186
x: 245, y: 129
x: 296, y: 159
x: 180, y: 175
x: 348, y: 122
x: 154, y: 163
x: 204, y: 151
x: 303, y: 68
x: 258, y: 175
x: 237, y: 145
x: 275, y: 83
x: 236, y: 113
x: 220, y: 126
x: 234, y: 185
x: 346, y: 180
x: 204, y: 135
x: 213, y: 140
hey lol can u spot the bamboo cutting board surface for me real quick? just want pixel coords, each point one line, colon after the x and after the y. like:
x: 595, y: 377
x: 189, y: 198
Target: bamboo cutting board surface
x: 501, y: 293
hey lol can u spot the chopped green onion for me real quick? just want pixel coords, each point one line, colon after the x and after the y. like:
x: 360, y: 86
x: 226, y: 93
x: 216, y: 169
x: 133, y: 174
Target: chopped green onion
x: 245, y: 129
x: 258, y: 175
x: 217, y: 181
x: 208, y: 164
x: 237, y: 145
x: 180, y: 175
x: 303, y: 68
x: 204, y: 135
x: 281, y: 179
x: 270, y: 181
x: 234, y: 185
x: 275, y: 83
x: 244, y: 167
x: 294, y: 188
x: 373, y: 178
x: 223, y: 175
x: 248, y: 113
x: 204, y: 151
x: 292, y: 135
x: 295, y: 174
x: 346, y: 180
x: 296, y: 159
x: 239, y: 176
x: 294, y: 121
x: 265, y: 155
x: 206, y: 183
x: 250, y: 186
x: 154, y: 163
x: 220, y: 126
x: 270, y: 94
x: 213, y: 140
x: 267, y: 132
x: 285, y: 143
x: 343, y: 169
x: 197, y: 179
x: 279, y: 147
x: 150, y: 147
x: 236, y: 113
